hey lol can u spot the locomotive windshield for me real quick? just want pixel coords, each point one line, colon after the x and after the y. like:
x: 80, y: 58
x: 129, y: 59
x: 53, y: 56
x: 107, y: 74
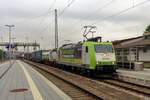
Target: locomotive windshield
x: 103, y: 48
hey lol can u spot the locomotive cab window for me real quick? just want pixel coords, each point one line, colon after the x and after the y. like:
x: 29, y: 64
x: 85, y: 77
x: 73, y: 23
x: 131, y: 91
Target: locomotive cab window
x: 103, y: 48
x: 86, y: 49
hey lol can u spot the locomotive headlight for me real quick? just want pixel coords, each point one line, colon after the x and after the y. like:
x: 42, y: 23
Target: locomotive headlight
x: 113, y: 62
x: 97, y: 62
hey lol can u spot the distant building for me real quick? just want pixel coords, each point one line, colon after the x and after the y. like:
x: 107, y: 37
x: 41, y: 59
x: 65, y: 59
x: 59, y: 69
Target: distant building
x: 129, y: 51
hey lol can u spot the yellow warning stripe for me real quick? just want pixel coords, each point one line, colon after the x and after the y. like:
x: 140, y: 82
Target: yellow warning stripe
x: 55, y: 88
x: 35, y: 92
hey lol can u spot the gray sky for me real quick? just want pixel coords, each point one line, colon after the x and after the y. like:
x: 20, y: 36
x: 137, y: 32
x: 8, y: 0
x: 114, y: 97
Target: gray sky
x: 33, y: 21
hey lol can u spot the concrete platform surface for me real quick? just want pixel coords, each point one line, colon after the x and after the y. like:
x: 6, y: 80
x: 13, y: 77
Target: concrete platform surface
x: 21, y: 82
x: 137, y: 77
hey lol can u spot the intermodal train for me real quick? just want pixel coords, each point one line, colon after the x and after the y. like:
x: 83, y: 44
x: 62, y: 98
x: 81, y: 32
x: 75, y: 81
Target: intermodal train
x: 91, y: 56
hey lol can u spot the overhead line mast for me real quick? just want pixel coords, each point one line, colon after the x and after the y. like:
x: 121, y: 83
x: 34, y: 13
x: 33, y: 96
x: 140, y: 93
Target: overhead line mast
x: 56, y: 30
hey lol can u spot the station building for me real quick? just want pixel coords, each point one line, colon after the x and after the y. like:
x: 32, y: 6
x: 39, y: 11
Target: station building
x: 133, y: 50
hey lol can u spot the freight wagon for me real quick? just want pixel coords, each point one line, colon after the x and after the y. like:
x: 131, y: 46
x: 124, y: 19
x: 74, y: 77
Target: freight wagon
x: 38, y: 56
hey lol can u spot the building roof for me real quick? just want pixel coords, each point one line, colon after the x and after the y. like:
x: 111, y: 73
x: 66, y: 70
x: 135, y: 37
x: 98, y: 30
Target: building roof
x: 146, y: 33
x: 119, y: 41
x: 132, y: 42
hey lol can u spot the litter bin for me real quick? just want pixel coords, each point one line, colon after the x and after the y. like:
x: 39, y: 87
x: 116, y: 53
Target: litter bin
x: 138, y: 66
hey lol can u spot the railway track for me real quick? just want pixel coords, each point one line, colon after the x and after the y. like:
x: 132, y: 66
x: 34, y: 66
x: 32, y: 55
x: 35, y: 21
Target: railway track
x: 138, y: 89
x: 82, y: 88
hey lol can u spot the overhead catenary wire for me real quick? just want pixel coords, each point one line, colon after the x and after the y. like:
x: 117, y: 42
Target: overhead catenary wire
x: 91, y: 14
x: 41, y: 15
x: 98, y: 9
x: 48, y: 11
x: 68, y: 5
x: 118, y: 13
x: 111, y: 16
x: 60, y: 14
x: 122, y: 11
x: 51, y: 6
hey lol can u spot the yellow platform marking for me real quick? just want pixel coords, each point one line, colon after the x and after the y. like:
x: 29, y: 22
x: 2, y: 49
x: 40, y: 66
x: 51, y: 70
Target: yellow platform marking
x: 53, y: 86
x: 35, y: 92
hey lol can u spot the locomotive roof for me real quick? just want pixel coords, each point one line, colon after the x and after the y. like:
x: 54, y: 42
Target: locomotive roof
x: 71, y: 45
x: 95, y: 39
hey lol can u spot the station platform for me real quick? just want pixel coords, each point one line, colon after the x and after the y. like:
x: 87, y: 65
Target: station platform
x: 137, y: 77
x: 21, y: 82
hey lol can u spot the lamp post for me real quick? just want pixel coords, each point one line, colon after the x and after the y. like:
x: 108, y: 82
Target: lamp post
x: 10, y: 26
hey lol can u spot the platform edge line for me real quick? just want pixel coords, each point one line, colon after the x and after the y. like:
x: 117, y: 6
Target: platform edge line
x: 35, y: 92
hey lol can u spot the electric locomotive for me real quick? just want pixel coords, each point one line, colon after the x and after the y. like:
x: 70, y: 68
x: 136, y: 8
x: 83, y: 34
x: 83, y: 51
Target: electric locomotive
x: 91, y: 55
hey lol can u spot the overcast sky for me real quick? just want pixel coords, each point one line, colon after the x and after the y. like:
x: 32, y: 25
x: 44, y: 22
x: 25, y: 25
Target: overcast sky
x: 34, y: 20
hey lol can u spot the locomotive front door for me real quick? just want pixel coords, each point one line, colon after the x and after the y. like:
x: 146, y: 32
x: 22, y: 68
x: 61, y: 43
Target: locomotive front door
x: 85, y: 55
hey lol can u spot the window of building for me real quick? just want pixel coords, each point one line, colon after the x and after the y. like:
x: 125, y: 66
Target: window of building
x: 147, y: 37
x: 145, y: 50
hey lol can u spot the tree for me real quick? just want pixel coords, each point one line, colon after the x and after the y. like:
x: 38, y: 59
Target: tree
x: 147, y: 29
